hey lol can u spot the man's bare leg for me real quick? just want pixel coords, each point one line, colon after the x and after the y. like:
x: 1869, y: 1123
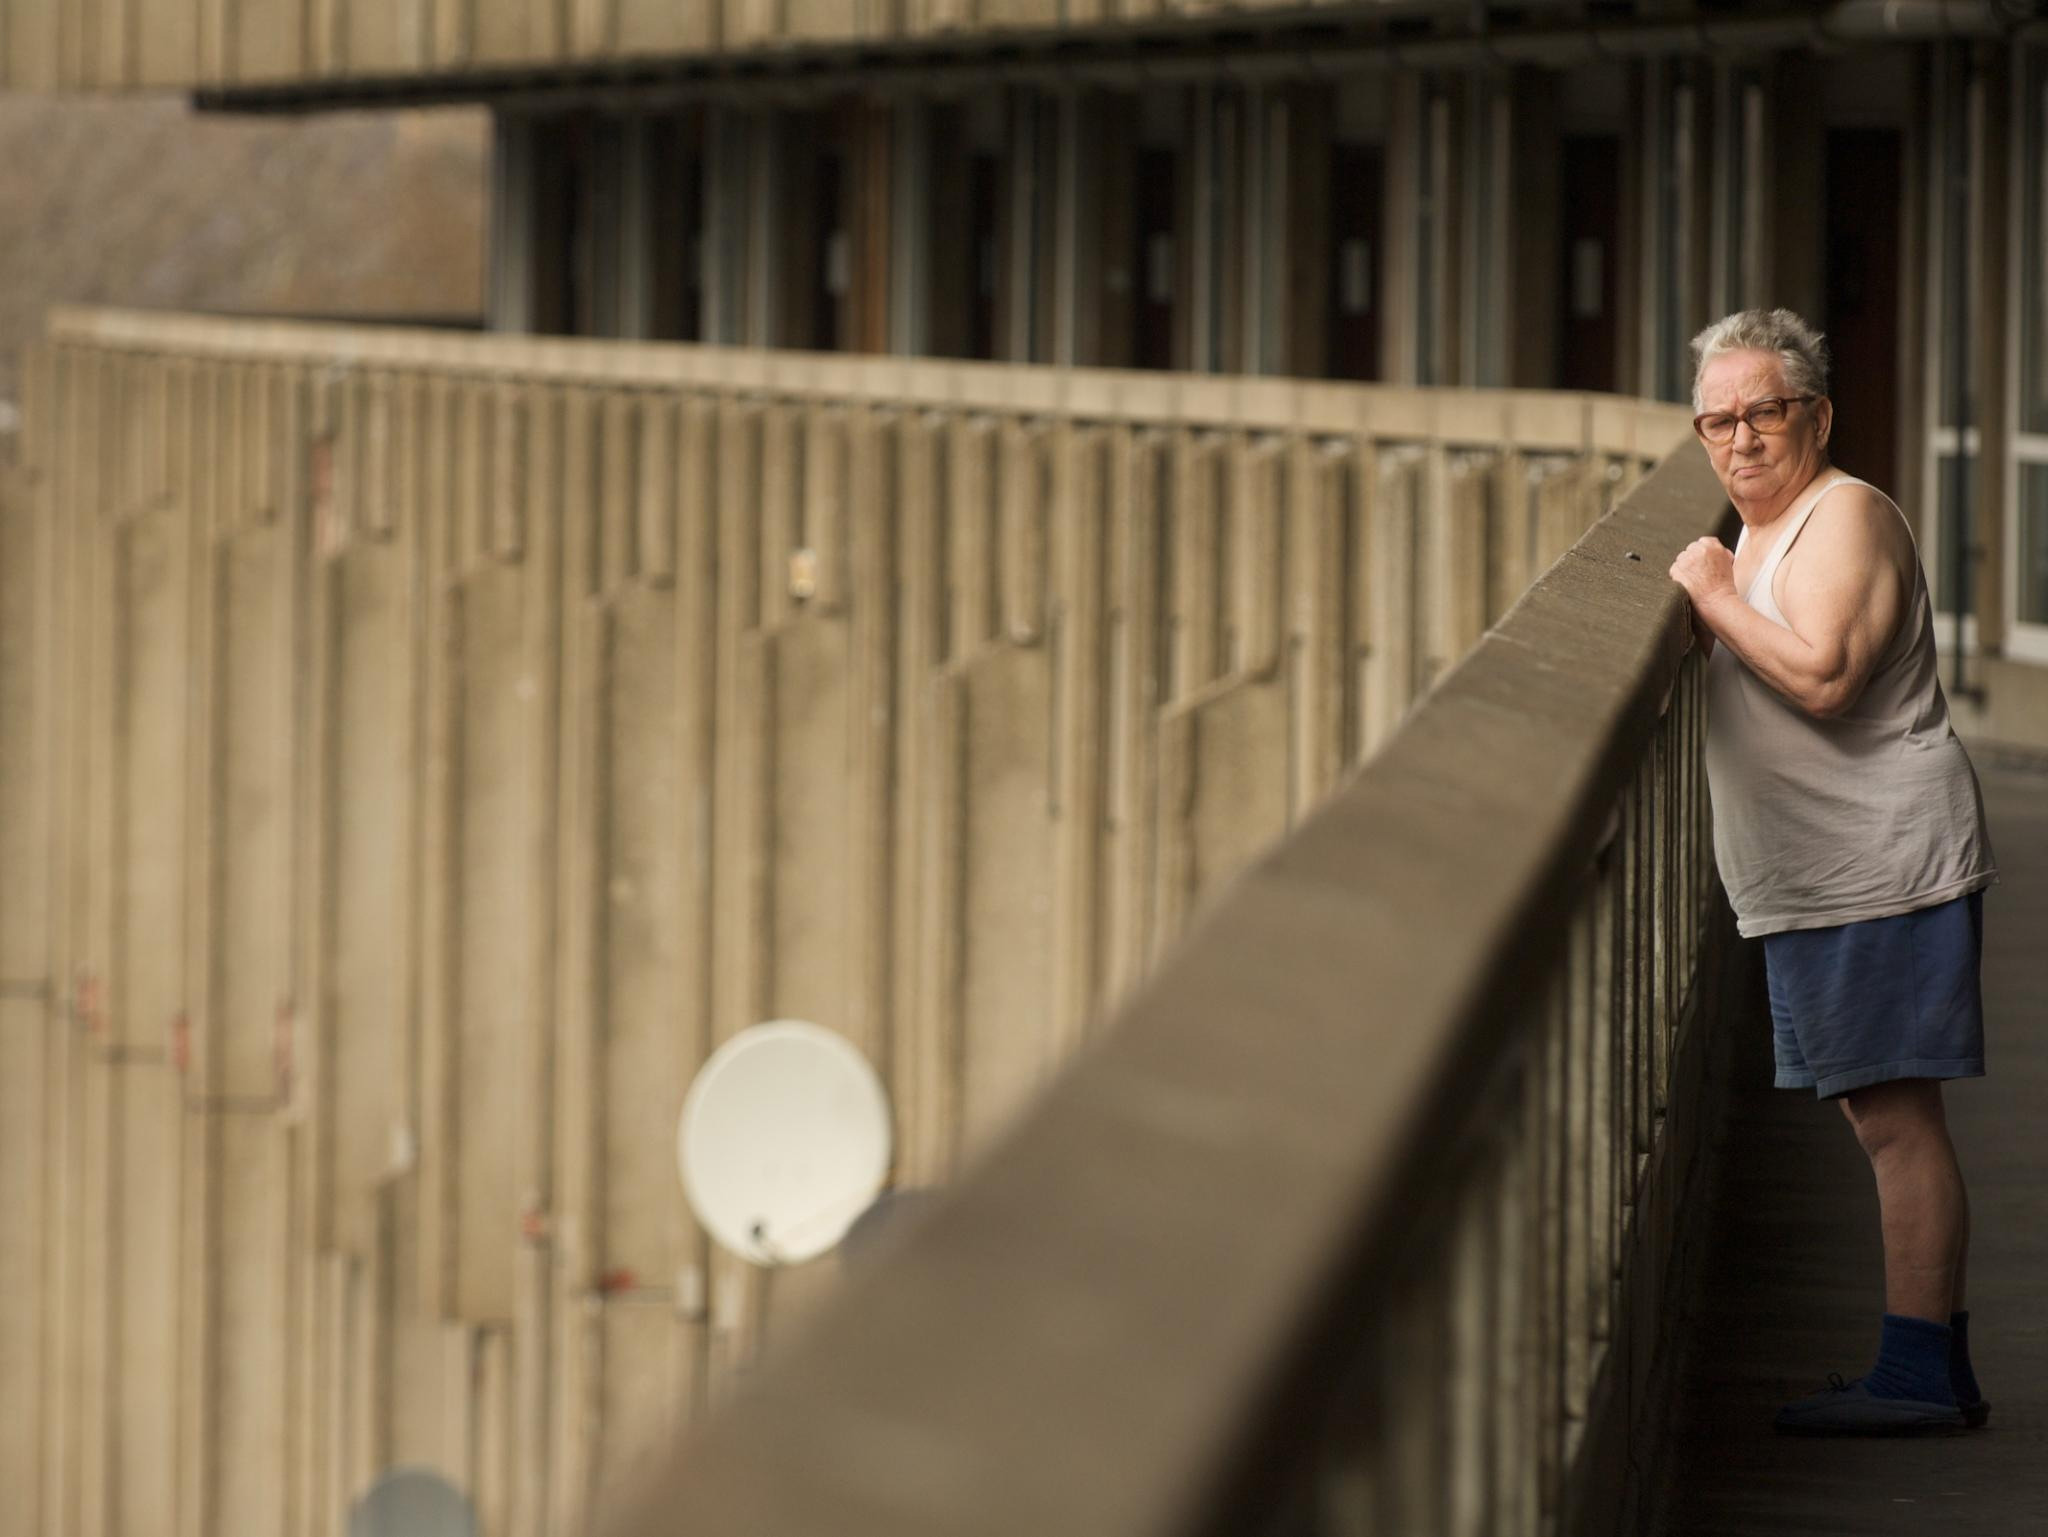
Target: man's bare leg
x: 1920, y: 1381
x: 1904, y: 1131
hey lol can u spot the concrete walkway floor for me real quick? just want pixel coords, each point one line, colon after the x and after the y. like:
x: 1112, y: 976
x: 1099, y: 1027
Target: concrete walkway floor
x: 1795, y: 1284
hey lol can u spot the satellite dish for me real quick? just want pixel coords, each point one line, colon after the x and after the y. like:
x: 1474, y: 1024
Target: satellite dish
x: 784, y: 1141
x: 411, y: 1502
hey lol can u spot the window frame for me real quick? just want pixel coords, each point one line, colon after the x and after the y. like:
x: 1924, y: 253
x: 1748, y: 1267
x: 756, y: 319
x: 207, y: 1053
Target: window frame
x: 2025, y: 641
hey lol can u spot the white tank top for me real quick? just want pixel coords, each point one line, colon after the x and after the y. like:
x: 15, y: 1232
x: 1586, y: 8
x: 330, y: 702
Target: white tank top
x: 1823, y: 821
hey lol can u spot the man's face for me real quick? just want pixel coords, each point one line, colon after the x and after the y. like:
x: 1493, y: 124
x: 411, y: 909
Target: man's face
x: 1762, y: 469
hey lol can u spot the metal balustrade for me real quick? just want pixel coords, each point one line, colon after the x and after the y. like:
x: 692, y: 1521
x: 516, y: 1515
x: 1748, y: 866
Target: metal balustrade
x: 1363, y: 1216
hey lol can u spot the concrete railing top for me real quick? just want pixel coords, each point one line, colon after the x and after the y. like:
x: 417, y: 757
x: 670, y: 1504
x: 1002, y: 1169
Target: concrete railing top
x: 1533, y: 420
x: 1104, y: 1326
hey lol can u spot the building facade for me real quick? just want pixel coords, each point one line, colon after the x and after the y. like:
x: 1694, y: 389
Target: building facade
x: 985, y: 469
x: 1547, y: 196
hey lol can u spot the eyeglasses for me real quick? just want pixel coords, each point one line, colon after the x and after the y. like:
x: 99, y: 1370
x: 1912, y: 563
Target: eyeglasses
x: 1767, y: 415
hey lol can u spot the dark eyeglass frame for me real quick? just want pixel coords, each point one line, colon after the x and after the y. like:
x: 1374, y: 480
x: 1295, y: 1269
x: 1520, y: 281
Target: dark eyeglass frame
x: 1700, y: 431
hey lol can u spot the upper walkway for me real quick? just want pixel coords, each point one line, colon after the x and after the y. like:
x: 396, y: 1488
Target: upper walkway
x: 1794, y: 1283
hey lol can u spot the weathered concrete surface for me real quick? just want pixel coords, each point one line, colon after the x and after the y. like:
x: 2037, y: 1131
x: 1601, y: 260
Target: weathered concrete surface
x: 1796, y: 1284
x: 102, y: 45
x: 446, y: 740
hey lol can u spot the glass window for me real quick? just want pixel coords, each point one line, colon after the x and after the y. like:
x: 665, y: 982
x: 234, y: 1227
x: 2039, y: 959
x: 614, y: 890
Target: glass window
x: 2034, y: 245
x: 2033, y: 572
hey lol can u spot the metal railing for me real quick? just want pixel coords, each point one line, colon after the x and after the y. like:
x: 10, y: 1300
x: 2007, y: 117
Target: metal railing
x: 1360, y: 1216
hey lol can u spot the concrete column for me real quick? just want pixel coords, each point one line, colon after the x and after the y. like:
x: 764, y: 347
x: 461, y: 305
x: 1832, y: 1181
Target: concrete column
x: 1197, y: 275
x: 1991, y: 113
x: 1653, y: 230
x: 1019, y: 285
x: 910, y: 230
x: 1532, y: 284
x: 1693, y: 164
x: 763, y: 256
x: 1630, y: 255
x: 1444, y: 233
x: 636, y: 235
x: 1401, y: 281
x: 1076, y: 253
x: 726, y: 211
x: 1486, y: 214
x: 1916, y: 296
x: 509, y: 296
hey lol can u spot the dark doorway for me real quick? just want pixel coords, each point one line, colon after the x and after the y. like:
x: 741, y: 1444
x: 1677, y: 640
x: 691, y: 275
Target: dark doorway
x: 1861, y: 304
x: 1155, y: 263
x: 559, y: 233
x: 1353, y: 322
x: 676, y: 216
x: 831, y: 254
x: 1590, y: 233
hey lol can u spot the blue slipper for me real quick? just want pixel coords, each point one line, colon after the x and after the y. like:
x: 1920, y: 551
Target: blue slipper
x: 1850, y: 1409
x: 1974, y: 1415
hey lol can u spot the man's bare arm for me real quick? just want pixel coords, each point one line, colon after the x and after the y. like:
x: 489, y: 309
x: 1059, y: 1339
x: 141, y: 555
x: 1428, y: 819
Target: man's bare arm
x: 1842, y: 600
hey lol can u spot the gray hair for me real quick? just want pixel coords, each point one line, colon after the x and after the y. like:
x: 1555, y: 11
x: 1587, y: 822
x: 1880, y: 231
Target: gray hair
x: 1803, y: 349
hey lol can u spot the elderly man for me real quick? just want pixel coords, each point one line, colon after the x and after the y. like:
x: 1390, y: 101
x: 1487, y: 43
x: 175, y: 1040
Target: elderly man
x: 1849, y: 831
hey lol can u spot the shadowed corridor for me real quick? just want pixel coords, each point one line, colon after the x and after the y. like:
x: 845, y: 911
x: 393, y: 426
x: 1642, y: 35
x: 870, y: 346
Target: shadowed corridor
x: 1795, y: 1287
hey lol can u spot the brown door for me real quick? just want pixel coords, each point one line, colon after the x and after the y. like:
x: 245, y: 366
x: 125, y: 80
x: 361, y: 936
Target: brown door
x: 1860, y: 307
x: 1356, y: 251
x: 1590, y: 230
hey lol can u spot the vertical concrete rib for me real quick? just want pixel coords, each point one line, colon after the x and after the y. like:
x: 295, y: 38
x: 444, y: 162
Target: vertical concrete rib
x: 1078, y: 630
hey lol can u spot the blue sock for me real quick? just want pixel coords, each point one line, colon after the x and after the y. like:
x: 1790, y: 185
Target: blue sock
x: 1960, y: 1377
x: 1912, y: 1362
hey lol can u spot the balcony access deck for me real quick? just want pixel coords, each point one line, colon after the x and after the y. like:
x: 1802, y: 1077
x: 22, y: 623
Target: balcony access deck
x: 1793, y: 1283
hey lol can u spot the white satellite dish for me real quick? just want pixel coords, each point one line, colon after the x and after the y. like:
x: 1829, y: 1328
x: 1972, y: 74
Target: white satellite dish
x: 411, y: 1502
x: 784, y: 1141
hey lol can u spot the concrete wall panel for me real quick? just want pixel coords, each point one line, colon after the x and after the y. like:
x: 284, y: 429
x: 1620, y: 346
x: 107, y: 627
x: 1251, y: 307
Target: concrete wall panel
x: 368, y: 1065
x: 25, y: 1151
x: 148, y: 1112
x: 650, y: 1047
x: 493, y: 887
x: 147, y: 986
x: 166, y: 43
x: 463, y: 736
x: 249, y: 1360
x: 501, y: 33
x: 1005, y: 918
x: 809, y: 815
x: 382, y: 39
x: 121, y: 44
x: 662, y: 26
x: 1223, y: 790
x: 269, y: 39
x: 28, y: 566
x: 237, y: 1048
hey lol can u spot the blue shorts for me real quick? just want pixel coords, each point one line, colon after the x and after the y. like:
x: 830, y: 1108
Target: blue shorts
x: 1864, y: 1003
